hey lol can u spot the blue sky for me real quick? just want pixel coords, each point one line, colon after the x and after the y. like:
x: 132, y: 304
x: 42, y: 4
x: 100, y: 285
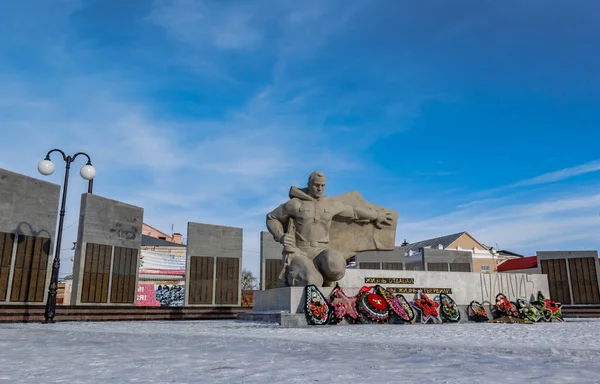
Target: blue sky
x: 478, y: 116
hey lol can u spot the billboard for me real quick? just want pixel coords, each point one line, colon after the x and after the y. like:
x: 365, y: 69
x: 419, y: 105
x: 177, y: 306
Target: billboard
x: 162, y: 263
x: 160, y: 295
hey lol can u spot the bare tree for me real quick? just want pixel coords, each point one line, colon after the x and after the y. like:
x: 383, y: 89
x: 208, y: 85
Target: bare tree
x: 248, y: 280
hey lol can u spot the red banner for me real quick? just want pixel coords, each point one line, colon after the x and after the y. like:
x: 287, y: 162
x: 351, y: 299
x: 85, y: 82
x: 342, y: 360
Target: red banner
x: 153, y: 271
x: 146, y: 296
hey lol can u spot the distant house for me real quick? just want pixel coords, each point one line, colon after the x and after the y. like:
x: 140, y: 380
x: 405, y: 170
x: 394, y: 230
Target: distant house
x: 162, y: 260
x: 159, y: 245
x: 459, y: 252
x: 147, y: 230
x: 162, y: 265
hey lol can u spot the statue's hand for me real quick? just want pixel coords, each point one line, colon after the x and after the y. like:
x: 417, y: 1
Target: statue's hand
x: 289, y: 243
x: 383, y: 218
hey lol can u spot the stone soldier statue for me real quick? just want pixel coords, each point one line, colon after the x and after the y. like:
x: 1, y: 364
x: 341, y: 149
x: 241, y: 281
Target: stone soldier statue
x: 320, y: 233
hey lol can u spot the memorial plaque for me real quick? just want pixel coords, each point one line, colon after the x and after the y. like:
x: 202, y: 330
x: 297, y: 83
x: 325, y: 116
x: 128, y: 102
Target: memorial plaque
x: 428, y: 291
x: 389, y: 280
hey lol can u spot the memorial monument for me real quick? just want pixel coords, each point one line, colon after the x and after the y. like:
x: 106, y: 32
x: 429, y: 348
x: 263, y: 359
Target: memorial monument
x: 320, y: 233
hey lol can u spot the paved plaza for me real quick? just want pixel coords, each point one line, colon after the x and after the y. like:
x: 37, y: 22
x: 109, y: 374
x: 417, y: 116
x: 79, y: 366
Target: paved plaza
x: 236, y: 352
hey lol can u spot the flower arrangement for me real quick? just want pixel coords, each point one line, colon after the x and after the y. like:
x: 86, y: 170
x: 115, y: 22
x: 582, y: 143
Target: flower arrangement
x: 427, y: 307
x: 378, y: 304
x: 396, y: 306
x: 316, y: 309
x: 549, y: 308
x: 528, y: 311
x: 478, y: 311
x: 449, y: 309
x: 344, y: 307
x: 372, y: 305
x: 505, y: 307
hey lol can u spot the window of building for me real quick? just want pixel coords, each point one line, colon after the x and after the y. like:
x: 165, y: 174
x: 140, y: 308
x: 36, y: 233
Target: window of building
x: 485, y: 268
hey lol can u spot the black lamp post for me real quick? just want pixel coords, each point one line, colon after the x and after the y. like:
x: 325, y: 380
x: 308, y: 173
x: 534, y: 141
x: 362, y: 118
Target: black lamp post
x: 46, y: 167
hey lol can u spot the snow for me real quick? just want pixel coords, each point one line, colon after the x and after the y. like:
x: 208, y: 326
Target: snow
x: 240, y: 352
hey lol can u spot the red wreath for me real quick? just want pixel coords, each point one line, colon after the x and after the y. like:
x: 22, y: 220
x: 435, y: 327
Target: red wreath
x: 427, y: 306
x: 506, y: 306
x: 551, y: 305
x: 377, y: 302
x: 318, y: 311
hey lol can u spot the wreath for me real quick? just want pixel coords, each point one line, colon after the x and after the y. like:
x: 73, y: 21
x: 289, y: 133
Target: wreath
x: 396, y: 306
x: 549, y: 308
x: 316, y: 308
x: 343, y: 307
x: 478, y: 312
x: 427, y: 307
x: 505, y: 307
x: 372, y: 305
x: 449, y: 309
x: 528, y: 311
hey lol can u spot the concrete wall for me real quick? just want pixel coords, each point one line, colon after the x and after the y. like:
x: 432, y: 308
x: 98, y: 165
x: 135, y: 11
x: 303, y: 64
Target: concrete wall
x: 465, y: 286
x: 544, y: 255
x: 29, y: 207
x: 107, y: 222
x: 213, y: 241
x: 269, y: 250
x: 550, y: 255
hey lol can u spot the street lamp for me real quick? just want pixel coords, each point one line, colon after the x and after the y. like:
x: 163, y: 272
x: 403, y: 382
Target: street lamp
x: 46, y: 167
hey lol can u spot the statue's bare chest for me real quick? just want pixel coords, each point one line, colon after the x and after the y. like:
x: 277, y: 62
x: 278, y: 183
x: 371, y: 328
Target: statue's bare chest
x: 315, y: 212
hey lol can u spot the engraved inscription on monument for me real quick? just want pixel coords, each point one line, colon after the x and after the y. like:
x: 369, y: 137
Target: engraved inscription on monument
x: 389, y: 280
x: 427, y: 291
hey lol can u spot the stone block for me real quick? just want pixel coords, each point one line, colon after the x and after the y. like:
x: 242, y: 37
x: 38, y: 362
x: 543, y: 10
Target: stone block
x: 116, y: 229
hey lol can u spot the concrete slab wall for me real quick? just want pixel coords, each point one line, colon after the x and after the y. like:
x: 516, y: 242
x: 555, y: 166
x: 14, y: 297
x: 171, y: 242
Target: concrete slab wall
x: 465, y: 286
x: 215, y: 241
x: 106, y: 222
x: 566, y: 255
x: 544, y: 255
x: 269, y: 250
x: 28, y: 207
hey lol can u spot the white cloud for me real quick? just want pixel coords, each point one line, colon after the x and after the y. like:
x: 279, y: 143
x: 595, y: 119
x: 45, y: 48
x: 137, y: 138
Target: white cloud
x: 526, y: 227
x: 201, y: 23
x: 551, y: 177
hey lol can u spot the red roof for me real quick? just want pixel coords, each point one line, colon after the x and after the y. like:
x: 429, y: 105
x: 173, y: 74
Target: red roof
x: 520, y: 263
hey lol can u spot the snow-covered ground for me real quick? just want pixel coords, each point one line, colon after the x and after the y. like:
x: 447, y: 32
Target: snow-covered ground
x: 238, y: 352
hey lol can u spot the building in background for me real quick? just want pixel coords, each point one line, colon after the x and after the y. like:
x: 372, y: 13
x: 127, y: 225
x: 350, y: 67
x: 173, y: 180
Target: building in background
x: 150, y: 231
x: 573, y: 276
x: 458, y: 252
x: 162, y: 270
